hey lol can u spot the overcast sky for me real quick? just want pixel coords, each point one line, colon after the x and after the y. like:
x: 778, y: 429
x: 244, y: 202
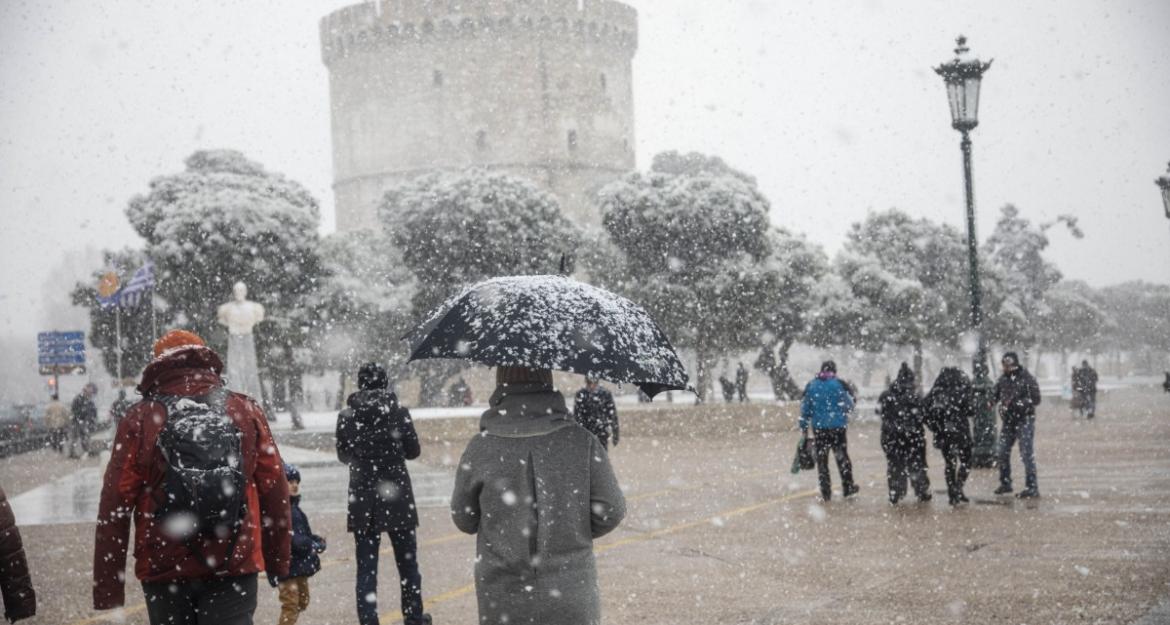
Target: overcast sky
x: 831, y: 104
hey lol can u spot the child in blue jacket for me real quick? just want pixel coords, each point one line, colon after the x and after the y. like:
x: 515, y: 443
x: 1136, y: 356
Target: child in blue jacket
x: 294, y: 589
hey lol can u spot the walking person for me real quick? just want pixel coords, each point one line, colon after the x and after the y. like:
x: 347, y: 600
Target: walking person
x: 1017, y: 394
x: 304, y: 561
x: 118, y: 408
x: 20, y: 599
x: 826, y: 406
x: 949, y: 408
x: 595, y: 410
x: 1084, y: 387
x: 537, y: 490
x: 375, y: 437
x: 198, y: 545
x: 57, y: 420
x: 903, y: 437
x: 84, y: 413
x: 741, y: 382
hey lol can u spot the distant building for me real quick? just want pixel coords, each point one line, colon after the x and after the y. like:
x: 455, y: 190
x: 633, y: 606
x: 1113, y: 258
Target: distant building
x: 537, y: 88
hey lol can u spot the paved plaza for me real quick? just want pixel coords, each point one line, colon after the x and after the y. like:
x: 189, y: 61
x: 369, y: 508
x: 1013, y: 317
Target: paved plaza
x: 719, y: 531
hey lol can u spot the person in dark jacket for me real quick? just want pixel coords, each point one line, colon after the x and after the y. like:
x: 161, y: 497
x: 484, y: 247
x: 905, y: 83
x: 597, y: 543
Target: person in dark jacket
x: 84, y: 419
x: 1166, y: 384
x: 826, y: 406
x: 118, y: 408
x: 1084, y: 388
x: 182, y: 579
x: 537, y: 490
x: 375, y: 437
x: 903, y: 437
x: 728, y: 388
x: 304, y: 561
x: 741, y: 382
x: 1017, y: 394
x: 949, y: 408
x: 20, y: 600
x: 595, y: 410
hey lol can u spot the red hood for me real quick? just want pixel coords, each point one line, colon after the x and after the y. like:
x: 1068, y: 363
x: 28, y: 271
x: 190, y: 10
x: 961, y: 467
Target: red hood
x: 190, y: 370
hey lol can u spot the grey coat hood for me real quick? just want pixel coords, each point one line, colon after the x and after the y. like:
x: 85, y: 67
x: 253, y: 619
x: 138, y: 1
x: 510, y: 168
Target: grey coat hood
x: 526, y: 409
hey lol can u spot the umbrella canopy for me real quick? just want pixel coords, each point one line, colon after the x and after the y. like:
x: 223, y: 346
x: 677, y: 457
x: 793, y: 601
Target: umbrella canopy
x: 552, y: 322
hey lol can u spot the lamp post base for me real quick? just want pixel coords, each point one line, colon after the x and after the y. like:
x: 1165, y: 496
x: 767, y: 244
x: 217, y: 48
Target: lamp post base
x: 983, y: 425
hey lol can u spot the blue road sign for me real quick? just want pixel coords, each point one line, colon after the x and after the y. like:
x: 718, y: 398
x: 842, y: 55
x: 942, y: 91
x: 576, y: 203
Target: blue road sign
x: 61, y: 351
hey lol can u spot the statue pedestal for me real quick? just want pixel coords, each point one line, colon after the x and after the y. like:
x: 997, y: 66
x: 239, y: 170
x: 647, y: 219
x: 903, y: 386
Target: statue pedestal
x: 242, y: 372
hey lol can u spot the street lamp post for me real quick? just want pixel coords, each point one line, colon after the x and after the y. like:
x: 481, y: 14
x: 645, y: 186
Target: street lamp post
x: 962, y: 76
x: 1164, y: 183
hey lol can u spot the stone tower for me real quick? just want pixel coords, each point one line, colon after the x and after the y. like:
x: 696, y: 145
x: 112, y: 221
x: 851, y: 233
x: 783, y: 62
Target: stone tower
x: 537, y: 88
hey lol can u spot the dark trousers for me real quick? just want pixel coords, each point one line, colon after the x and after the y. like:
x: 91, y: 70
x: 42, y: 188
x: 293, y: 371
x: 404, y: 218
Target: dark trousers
x: 211, y: 601
x: 1022, y: 430
x: 904, y: 466
x: 832, y: 439
x: 406, y: 557
x: 957, y: 456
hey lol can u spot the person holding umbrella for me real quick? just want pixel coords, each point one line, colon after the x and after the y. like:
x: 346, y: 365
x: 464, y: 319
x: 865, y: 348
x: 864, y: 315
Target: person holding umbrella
x: 537, y: 489
x: 534, y: 486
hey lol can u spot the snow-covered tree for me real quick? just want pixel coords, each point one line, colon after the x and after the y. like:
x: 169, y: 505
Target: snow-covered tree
x: 1070, y: 319
x: 225, y: 219
x: 912, y: 274
x: 363, y: 306
x: 456, y: 229
x: 1023, y: 276
x: 135, y: 322
x: 695, y: 239
x: 1139, y: 314
x: 793, y: 269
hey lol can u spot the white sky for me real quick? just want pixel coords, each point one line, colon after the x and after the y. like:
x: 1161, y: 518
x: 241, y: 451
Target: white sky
x: 831, y: 104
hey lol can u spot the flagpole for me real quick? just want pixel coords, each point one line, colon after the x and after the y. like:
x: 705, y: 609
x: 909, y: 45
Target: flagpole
x: 118, y: 338
x: 153, y: 322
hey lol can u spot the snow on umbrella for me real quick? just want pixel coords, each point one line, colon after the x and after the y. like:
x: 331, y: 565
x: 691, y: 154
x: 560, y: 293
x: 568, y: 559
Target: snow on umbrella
x: 552, y: 322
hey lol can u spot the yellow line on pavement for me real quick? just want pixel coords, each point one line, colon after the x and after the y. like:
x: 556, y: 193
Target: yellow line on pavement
x: 600, y: 549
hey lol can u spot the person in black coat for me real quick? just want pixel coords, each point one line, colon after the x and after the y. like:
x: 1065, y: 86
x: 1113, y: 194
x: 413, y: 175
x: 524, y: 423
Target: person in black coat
x: 741, y: 382
x: 376, y: 437
x: 1017, y: 394
x: 304, y: 561
x: 903, y: 437
x: 595, y: 410
x: 1084, y: 387
x: 949, y: 407
x: 84, y: 420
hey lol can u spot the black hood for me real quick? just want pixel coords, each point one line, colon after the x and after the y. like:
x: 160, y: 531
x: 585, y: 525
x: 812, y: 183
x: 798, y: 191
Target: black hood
x: 362, y: 401
x: 372, y: 376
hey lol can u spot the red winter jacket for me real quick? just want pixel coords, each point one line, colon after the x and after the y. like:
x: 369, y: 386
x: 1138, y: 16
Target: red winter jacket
x: 136, y: 470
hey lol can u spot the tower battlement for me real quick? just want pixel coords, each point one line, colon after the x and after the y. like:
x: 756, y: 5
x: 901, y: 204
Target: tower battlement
x: 365, y: 28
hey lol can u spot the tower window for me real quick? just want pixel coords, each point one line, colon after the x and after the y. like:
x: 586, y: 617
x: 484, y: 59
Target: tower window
x: 437, y: 78
x: 572, y: 140
x: 481, y: 140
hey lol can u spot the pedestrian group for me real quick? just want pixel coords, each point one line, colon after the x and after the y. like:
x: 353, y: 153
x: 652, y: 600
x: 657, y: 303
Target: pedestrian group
x: 195, y: 469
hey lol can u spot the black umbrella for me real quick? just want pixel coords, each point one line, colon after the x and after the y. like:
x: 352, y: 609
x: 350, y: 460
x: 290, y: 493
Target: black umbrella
x: 552, y: 322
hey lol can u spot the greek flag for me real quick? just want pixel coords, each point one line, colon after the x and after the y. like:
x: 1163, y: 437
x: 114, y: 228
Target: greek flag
x: 130, y: 295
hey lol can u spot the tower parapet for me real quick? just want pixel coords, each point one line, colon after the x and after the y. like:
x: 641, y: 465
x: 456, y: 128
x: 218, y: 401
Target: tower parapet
x: 539, y: 88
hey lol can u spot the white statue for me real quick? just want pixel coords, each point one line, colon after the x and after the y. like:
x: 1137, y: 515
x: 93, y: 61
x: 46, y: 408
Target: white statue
x: 240, y: 316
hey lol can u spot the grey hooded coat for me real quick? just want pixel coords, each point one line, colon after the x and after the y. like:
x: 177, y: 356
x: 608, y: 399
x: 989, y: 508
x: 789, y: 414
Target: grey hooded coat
x: 537, y: 489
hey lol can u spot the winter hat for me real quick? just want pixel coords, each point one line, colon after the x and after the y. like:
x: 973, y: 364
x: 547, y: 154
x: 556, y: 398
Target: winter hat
x: 372, y: 376
x: 176, y: 339
x: 828, y: 366
x: 291, y: 473
x: 522, y: 375
x: 1011, y: 359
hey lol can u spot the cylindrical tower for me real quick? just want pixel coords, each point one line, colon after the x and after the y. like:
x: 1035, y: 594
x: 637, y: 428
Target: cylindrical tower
x: 538, y: 88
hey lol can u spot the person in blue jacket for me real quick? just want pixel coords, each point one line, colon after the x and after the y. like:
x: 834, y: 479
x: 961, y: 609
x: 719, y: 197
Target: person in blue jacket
x: 826, y: 406
x: 294, y: 589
